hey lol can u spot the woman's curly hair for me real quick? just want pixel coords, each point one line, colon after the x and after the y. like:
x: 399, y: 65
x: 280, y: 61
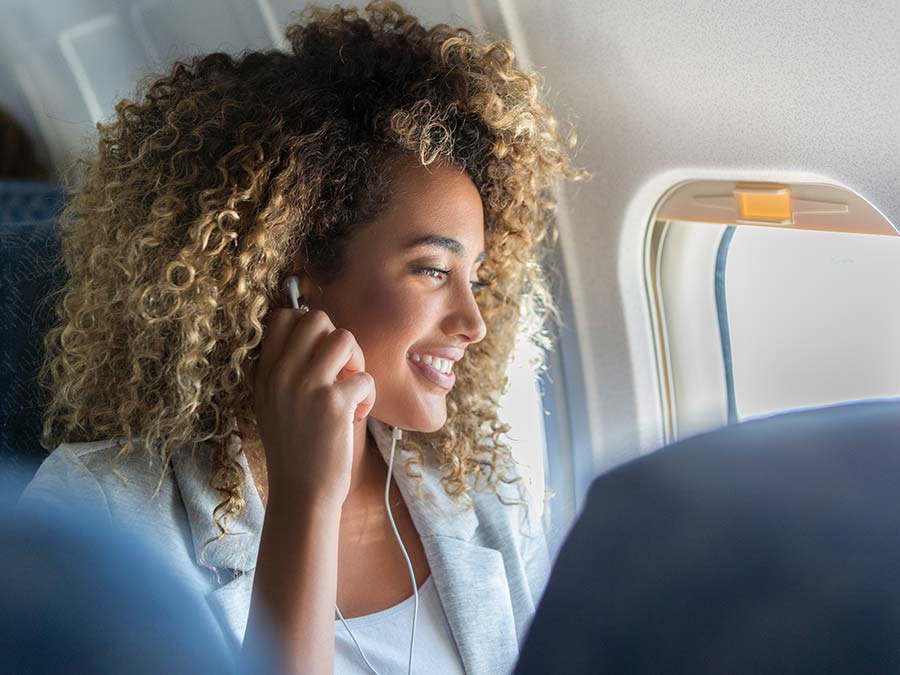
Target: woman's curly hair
x: 203, y: 191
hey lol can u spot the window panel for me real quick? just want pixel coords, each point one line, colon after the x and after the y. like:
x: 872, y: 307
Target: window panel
x: 813, y: 318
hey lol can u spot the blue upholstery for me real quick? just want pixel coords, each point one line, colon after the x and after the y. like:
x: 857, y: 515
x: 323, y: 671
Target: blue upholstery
x: 23, y: 201
x: 30, y: 270
x: 80, y: 594
x: 770, y: 546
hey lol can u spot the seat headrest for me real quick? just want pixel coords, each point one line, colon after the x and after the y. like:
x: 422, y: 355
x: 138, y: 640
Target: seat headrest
x: 30, y: 270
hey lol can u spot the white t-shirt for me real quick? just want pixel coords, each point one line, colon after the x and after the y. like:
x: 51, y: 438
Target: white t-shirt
x: 384, y: 639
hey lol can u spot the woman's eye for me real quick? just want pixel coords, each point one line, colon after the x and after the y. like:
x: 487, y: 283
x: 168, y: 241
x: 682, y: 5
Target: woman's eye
x: 438, y: 273
x: 433, y: 272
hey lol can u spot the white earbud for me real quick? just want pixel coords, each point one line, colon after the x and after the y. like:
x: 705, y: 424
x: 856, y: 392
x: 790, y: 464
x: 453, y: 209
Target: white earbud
x: 291, y: 286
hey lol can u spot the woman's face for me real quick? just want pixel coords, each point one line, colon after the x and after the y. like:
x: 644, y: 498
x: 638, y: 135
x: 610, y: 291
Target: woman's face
x: 396, y: 306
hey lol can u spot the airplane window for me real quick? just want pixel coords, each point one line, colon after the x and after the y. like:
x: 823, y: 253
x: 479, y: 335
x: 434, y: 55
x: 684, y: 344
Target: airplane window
x: 766, y: 297
x: 812, y: 318
x: 522, y: 408
x: 548, y: 431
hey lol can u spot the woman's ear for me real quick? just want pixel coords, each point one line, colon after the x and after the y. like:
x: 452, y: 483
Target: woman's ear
x: 309, y: 290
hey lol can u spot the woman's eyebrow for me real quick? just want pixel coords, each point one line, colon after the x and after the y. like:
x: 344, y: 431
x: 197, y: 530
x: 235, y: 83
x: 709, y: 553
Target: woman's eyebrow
x: 451, y: 245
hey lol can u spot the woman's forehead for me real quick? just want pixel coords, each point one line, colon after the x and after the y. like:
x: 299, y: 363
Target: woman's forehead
x: 460, y: 239
x: 438, y: 199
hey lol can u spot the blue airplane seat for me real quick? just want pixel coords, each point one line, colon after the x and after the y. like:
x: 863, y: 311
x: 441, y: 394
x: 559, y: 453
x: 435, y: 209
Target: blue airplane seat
x: 30, y: 270
x: 27, y: 201
x: 770, y: 546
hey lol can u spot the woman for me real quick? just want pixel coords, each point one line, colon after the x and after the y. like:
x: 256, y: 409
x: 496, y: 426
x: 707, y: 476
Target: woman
x: 405, y: 177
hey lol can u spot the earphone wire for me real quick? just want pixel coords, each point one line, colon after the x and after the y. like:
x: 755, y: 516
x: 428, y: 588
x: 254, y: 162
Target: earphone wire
x: 353, y: 637
x: 397, y: 433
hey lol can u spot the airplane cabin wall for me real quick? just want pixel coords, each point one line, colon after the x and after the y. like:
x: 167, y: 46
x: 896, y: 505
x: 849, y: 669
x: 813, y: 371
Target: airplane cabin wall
x: 665, y: 92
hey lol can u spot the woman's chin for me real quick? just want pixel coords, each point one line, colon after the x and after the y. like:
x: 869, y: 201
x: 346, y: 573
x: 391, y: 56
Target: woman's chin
x: 425, y: 426
x: 425, y: 422
x: 434, y: 418
x: 435, y: 427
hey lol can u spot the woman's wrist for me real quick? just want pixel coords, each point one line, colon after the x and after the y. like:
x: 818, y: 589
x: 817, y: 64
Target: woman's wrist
x: 303, y: 503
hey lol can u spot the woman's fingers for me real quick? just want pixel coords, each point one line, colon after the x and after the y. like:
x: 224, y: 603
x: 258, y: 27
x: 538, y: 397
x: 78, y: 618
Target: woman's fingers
x: 336, y: 357
x: 310, y: 388
x: 307, y: 346
x: 295, y: 336
x: 359, y: 389
x: 278, y: 326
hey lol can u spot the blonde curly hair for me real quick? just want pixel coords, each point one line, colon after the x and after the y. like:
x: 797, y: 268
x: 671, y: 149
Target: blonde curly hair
x: 202, y: 192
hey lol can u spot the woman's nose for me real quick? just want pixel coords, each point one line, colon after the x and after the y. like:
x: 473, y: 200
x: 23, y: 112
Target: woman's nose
x: 465, y: 319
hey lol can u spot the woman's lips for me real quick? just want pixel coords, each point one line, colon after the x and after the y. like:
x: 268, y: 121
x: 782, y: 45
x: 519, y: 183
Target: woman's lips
x: 434, y: 375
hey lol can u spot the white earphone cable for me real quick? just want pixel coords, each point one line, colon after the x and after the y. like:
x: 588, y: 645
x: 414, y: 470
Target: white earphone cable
x: 395, y: 435
x: 352, y: 637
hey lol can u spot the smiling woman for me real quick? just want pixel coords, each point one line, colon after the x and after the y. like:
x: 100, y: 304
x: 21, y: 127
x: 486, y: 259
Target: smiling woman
x: 407, y: 176
x: 406, y: 290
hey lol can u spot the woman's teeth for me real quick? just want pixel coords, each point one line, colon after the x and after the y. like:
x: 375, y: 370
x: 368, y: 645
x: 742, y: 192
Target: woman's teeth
x: 443, y: 365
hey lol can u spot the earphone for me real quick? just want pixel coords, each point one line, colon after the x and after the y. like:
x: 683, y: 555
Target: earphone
x: 292, y: 286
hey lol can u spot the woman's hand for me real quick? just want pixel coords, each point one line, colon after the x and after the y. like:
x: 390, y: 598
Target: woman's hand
x: 310, y: 388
